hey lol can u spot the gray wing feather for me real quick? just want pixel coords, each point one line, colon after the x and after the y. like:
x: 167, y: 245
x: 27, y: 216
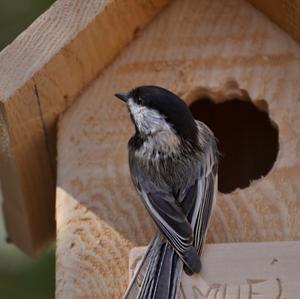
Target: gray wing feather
x: 172, y: 222
x: 202, y: 216
x: 207, y: 185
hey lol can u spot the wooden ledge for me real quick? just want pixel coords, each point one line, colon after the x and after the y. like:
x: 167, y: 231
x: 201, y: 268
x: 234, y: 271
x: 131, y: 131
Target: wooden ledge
x: 241, y: 271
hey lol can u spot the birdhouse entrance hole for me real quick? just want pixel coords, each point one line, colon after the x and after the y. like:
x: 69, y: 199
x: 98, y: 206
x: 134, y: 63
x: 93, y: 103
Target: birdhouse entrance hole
x: 247, y: 137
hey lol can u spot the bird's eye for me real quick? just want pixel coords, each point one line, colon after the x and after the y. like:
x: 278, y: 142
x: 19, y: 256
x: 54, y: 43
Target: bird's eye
x: 140, y: 101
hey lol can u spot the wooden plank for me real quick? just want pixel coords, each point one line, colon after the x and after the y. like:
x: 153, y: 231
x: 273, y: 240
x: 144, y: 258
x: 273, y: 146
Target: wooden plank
x: 27, y: 209
x: 192, y: 43
x: 286, y: 13
x: 41, y: 73
x: 241, y: 271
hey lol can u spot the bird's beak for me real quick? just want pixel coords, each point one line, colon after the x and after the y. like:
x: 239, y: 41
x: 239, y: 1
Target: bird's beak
x: 122, y: 96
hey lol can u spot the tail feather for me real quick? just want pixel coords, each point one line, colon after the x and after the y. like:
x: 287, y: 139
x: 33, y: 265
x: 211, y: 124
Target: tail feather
x: 168, y: 278
x: 158, y: 275
x: 141, y: 271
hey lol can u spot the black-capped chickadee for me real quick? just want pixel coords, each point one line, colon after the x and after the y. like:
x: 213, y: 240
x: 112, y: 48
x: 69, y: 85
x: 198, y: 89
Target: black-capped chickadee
x: 173, y: 162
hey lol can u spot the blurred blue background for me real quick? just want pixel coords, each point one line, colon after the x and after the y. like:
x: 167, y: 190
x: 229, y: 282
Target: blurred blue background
x: 22, y: 277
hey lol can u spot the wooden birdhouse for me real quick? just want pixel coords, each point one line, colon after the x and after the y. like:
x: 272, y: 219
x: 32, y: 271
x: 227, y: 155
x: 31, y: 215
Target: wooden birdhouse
x: 237, y: 70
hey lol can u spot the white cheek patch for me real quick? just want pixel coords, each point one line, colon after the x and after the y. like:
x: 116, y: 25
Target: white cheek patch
x: 162, y: 140
x: 147, y: 120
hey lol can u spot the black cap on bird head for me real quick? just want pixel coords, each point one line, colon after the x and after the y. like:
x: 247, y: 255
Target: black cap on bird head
x: 168, y: 105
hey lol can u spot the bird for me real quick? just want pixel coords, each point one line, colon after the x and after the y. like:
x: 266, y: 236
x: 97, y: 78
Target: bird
x: 173, y: 163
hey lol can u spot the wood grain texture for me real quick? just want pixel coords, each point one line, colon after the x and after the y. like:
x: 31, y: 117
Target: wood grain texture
x: 241, y: 271
x: 41, y: 73
x: 286, y: 13
x: 192, y: 43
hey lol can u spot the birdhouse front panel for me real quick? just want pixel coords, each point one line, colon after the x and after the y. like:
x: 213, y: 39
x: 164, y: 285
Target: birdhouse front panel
x: 237, y: 70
